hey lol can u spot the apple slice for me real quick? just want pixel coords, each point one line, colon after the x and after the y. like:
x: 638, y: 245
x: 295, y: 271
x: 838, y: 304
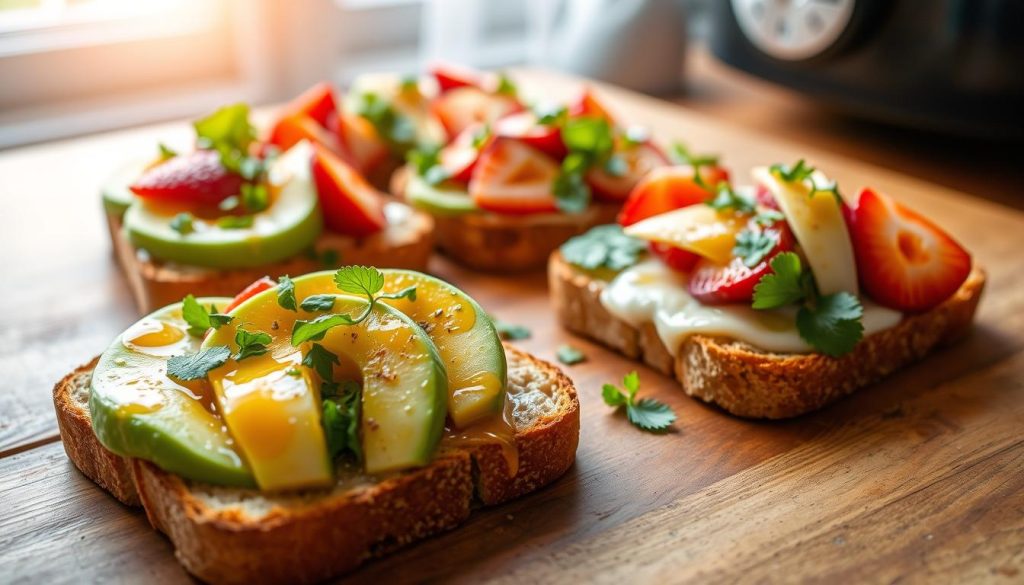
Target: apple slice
x: 512, y: 177
x: 290, y: 130
x: 524, y: 127
x: 350, y: 205
x: 462, y: 107
x: 640, y: 159
x: 816, y: 219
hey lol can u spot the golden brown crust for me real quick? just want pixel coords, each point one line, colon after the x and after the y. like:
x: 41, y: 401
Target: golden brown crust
x: 335, y: 533
x: 155, y: 284
x: 508, y: 243
x: 753, y: 383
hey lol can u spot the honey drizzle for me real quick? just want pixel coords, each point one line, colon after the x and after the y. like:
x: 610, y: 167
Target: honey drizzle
x: 496, y: 429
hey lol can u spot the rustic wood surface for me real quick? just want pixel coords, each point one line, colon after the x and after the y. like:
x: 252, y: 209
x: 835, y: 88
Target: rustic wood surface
x: 920, y: 478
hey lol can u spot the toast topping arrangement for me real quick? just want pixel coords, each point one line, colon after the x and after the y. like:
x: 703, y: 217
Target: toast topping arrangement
x: 789, y: 266
x: 271, y: 389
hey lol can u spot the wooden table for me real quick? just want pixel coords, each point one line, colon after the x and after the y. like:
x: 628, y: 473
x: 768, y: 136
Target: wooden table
x: 920, y: 478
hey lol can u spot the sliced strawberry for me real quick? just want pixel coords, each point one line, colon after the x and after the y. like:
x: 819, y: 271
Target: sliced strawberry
x: 675, y: 258
x: 316, y: 102
x: 765, y: 198
x: 663, y: 189
x: 734, y: 282
x: 904, y: 261
x: 290, y: 130
x: 360, y: 143
x: 588, y: 105
x: 350, y: 205
x: 512, y: 177
x: 523, y: 126
x: 250, y: 291
x: 462, y: 107
x: 640, y: 159
x: 451, y: 77
x: 197, y: 178
x: 459, y: 158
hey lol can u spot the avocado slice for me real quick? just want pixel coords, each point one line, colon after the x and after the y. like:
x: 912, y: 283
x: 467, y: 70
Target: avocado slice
x: 137, y: 411
x: 404, y: 385
x: 443, y: 199
x: 465, y: 337
x: 287, y: 227
x: 117, y: 197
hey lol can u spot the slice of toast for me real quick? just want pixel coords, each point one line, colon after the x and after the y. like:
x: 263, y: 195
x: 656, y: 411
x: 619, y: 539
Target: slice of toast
x: 155, y: 284
x: 231, y: 535
x: 494, y: 242
x: 748, y: 381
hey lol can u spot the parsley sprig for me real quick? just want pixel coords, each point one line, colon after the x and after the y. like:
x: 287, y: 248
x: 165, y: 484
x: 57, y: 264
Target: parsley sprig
x: 360, y: 280
x: 570, y: 355
x: 196, y: 366
x: 340, y: 408
x: 286, y: 293
x: 829, y: 323
x: 199, y: 319
x: 647, y: 413
x: 681, y: 155
x: 251, y: 343
x: 604, y: 246
x: 590, y: 142
x: 803, y: 172
x: 396, y: 129
x: 510, y: 331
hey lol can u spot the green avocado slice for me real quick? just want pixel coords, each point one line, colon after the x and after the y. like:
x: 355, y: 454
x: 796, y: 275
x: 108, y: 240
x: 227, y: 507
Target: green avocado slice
x: 438, y: 199
x: 117, y: 198
x: 404, y: 383
x: 287, y: 227
x: 465, y: 337
x: 137, y: 411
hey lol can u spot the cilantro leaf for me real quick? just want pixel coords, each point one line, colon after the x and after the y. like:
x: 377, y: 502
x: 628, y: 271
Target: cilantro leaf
x: 752, y: 246
x: 510, y: 332
x: 255, y: 197
x: 550, y: 114
x: 197, y: 365
x: 251, y: 343
x: 727, y: 199
x: 570, y: 355
x: 406, y: 293
x: 572, y: 194
x: 286, y: 293
x: 321, y: 361
x: 235, y: 222
x: 647, y: 413
x: 315, y: 329
x: 590, y: 135
x: 166, y: 152
x: 182, y: 223
x: 604, y: 246
x: 315, y: 303
x: 833, y: 325
x: 791, y: 173
x: 783, y: 286
x: 680, y: 154
x: 506, y: 86
x: 227, y: 128
x: 650, y: 415
x: 341, y: 424
x: 199, y: 319
x: 397, y: 130
x: 355, y: 279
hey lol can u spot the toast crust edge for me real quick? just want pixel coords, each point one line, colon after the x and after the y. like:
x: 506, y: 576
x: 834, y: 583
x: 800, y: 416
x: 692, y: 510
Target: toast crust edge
x: 752, y: 383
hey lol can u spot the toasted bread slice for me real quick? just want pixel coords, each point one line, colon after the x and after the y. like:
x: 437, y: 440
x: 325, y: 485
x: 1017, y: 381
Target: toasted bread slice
x: 751, y: 382
x: 495, y: 242
x: 155, y: 284
x: 230, y: 535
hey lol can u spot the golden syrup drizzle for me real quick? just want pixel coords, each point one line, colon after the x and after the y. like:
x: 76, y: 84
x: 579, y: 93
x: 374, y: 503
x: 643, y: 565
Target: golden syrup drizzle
x: 150, y: 333
x: 497, y: 429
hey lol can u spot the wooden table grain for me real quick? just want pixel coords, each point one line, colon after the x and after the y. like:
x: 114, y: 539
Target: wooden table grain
x: 917, y: 479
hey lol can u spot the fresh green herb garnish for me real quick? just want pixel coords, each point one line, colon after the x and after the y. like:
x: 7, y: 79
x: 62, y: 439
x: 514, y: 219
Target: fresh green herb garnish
x: 550, y: 114
x: 330, y: 258
x: 286, y: 293
x: 361, y: 280
x: 251, y: 343
x: 321, y: 361
x: 570, y: 355
x: 182, y: 223
x: 341, y: 424
x: 235, y: 222
x: 166, y: 152
x: 397, y: 130
x: 229, y: 132
x: 646, y: 413
x: 802, y: 172
x: 753, y: 245
x: 506, y: 86
x: 255, y: 197
x: 829, y: 323
x: 314, y: 303
x: 728, y: 199
x: 199, y: 319
x: 604, y: 246
x: 196, y: 366
x: 590, y: 143
x: 426, y: 160
x: 293, y: 372
x: 681, y: 155
x: 510, y: 332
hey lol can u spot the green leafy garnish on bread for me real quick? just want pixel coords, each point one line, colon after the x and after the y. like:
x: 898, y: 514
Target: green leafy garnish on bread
x: 604, y: 246
x: 646, y: 413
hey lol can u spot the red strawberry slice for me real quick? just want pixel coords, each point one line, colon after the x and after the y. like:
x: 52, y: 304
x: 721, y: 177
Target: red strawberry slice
x: 511, y: 177
x: 290, y: 130
x: 462, y: 107
x: 588, y: 105
x: 905, y: 262
x: 663, y: 189
x: 250, y: 291
x: 316, y: 102
x: 360, y: 143
x: 451, y: 77
x: 350, y: 205
x: 523, y: 126
x: 191, y: 179
x: 734, y: 282
x: 675, y: 258
x: 640, y: 159
x: 459, y: 158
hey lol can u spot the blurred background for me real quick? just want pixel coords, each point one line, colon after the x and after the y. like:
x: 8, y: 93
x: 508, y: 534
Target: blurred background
x: 929, y: 87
